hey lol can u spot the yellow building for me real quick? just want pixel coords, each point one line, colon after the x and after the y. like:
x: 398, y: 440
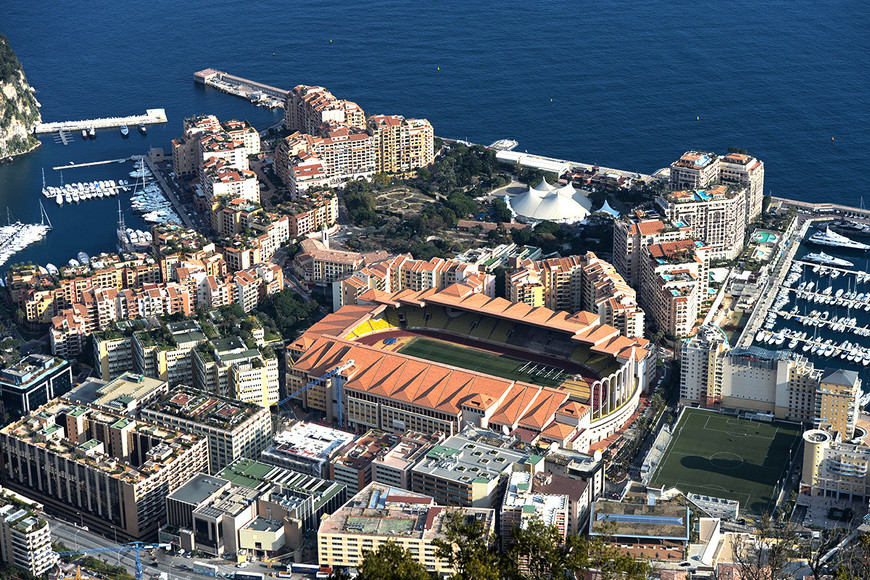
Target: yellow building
x: 837, y: 401
x: 379, y: 514
x: 835, y: 468
x: 401, y: 144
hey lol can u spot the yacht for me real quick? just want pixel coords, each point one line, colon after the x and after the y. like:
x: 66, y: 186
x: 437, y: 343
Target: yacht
x: 124, y: 130
x: 84, y: 133
x: 142, y: 128
x: 831, y: 238
x: 825, y: 259
x: 92, y: 132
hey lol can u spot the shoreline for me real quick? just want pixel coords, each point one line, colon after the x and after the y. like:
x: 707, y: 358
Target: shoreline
x: 11, y: 157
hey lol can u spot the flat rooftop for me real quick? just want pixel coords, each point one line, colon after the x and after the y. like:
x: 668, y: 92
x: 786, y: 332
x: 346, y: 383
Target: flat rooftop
x: 204, y: 408
x: 294, y: 486
x: 519, y: 494
x: 624, y: 520
x: 198, y: 489
x: 380, y: 510
x: 311, y: 440
x: 464, y: 460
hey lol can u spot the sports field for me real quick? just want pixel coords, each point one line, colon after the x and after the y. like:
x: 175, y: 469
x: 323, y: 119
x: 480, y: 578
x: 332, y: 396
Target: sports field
x: 724, y: 456
x: 482, y: 361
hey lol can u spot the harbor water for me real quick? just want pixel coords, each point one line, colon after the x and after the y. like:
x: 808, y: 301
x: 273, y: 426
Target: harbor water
x: 825, y: 282
x: 624, y: 85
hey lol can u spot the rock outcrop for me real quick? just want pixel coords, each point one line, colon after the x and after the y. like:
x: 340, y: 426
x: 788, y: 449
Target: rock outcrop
x: 19, y: 110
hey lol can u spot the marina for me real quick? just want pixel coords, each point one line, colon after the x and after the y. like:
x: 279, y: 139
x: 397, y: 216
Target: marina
x: 150, y: 117
x: 14, y: 237
x: 820, y: 306
x: 95, y: 163
x: 148, y: 199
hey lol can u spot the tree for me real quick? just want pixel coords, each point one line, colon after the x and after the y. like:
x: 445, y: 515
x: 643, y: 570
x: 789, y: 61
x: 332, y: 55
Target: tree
x: 766, y: 556
x: 469, y: 548
x: 501, y: 211
x: 391, y: 562
x: 854, y: 561
x: 657, y: 402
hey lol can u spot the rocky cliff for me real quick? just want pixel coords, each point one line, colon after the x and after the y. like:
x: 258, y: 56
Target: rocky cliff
x: 19, y: 111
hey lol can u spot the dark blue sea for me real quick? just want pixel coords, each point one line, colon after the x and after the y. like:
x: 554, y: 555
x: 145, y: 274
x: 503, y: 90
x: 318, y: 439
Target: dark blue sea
x: 623, y: 84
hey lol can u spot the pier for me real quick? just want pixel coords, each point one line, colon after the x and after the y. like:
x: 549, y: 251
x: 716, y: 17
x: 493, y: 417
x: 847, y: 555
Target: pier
x: 150, y: 117
x: 241, y: 87
x: 93, y: 163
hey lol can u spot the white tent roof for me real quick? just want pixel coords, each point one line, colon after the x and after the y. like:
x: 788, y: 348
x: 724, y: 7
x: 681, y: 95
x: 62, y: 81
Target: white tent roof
x: 607, y: 209
x: 544, y: 202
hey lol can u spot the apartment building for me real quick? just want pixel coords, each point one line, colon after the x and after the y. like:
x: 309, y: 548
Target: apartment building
x: 113, y: 351
x: 674, y: 284
x: 220, y: 146
x: 307, y: 448
x: 243, y: 131
x: 311, y: 212
x: 233, y: 428
x: 302, y: 172
x: 165, y: 353
x: 521, y: 504
x: 25, y: 537
x: 633, y: 234
x: 469, y: 473
x: 308, y: 108
x: 33, y: 381
x: 228, y: 368
x: 401, y: 145
x: 110, y: 471
x: 701, y: 362
x: 717, y: 216
x: 69, y: 331
x: 698, y: 170
x: 393, y: 466
x: 837, y: 405
x: 186, y: 149
x: 353, y: 466
x: 316, y: 262
x: 127, y: 393
x: 378, y: 514
x: 836, y: 467
x: 345, y: 153
x: 606, y: 294
x: 220, y: 178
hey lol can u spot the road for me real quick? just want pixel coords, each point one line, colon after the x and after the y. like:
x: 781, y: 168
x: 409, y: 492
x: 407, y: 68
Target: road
x: 76, y: 538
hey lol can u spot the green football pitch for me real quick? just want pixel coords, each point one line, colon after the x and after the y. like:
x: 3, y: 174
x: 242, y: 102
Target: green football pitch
x: 482, y: 361
x: 724, y: 456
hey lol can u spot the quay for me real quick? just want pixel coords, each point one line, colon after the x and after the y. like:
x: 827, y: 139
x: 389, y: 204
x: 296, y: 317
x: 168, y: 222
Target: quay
x: 167, y: 191
x: 241, y: 87
x: 150, y: 117
x: 92, y: 163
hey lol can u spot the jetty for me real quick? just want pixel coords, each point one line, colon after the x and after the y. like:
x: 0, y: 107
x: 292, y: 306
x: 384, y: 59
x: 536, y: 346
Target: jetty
x: 257, y: 93
x: 150, y: 117
x: 93, y: 163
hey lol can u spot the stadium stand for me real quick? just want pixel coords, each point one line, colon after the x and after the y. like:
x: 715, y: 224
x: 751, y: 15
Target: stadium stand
x: 580, y: 354
x: 501, y: 331
x: 414, y: 317
x: 461, y: 324
x: 483, y: 328
x: 393, y: 317
x: 436, y: 318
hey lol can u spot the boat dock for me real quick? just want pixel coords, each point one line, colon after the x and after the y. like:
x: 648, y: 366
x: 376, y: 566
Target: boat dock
x: 93, y: 163
x: 150, y: 117
x: 258, y: 93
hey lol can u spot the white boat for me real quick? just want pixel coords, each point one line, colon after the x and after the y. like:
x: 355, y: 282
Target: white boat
x: 825, y: 259
x: 124, y: 130
x: 92, y: 132
x: 832, y: 238
x: 74, y: 263
x: 83, y: 258
x: 84, y: 133
x: 59, y: 198
x: 52, y: 269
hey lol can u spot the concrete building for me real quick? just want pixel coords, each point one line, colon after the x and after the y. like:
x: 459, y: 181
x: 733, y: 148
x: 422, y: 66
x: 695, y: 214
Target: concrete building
x: 227, y: 367
x: 113, y: 352
x: 401, y: 145
x: 834, y: 467
x: 352, y: 467
x: 128, y: 393
x: 655, y: 531
x: 698, y: 170
x: 316, y: 262
x: 394, y: 467
x: 344, y: 152
x: 522, y: 504
x: 633, y: 234
x: 25, y: 538
x: 107, y: 470
x: 221, y: 179
x: 166, y: 353
x: 716, y: 215
x: 379, y: 514
x: 674, y: 282
x: 837, y: 405
x: 309, y: 108
x: 307, y: 448
x: 234, y: 429
x: 701, y: 366
x: 33, y: 381
x: 469, y: 473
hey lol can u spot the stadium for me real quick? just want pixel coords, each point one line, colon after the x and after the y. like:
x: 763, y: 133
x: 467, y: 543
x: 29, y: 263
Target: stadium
x: 433, y: 361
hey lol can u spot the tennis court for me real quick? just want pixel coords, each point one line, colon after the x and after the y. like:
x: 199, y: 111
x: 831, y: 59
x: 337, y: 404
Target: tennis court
x: 482, y: 361
x: 728, y: 457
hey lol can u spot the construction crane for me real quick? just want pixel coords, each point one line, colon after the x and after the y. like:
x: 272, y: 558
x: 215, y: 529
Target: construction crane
x: 328, y: 375
x: 132, y: 547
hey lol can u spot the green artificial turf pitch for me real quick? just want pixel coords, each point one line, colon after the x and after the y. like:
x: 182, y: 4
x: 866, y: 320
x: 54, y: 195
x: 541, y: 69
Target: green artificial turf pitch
x: 482, y: 361
x: 724, y: 456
